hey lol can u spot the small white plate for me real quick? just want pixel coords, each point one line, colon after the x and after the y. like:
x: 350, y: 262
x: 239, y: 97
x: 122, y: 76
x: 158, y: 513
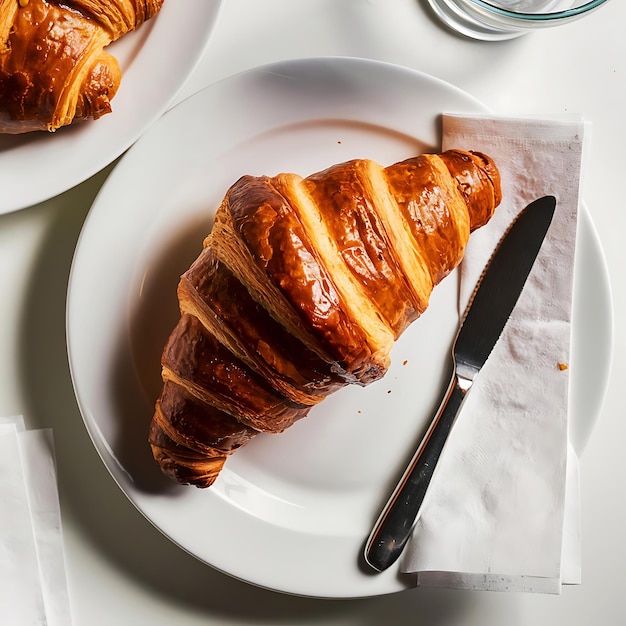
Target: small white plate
x: 156, y: 60
x: 289, y: 512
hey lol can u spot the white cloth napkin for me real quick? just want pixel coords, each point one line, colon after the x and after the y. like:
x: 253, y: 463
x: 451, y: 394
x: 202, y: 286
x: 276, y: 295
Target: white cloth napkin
x: 502, y: 512
x: 33, y: 583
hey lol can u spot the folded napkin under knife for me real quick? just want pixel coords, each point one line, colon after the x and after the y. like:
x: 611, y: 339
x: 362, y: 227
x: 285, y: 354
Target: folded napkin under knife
x: 502, y: 511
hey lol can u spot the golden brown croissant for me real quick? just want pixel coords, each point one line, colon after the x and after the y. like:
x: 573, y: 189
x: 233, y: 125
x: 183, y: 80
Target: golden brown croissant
x: 301, y: 288
x: 53, y: 66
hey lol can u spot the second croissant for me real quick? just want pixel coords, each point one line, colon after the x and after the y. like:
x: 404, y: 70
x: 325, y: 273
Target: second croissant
x: 54, y: 67
x: 301, y: 288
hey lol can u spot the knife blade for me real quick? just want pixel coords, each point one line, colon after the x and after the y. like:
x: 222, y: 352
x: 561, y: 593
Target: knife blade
x: 486, y: 316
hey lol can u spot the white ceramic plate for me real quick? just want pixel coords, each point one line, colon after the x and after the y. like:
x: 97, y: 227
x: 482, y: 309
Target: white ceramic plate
x: 156, y: 61
x: 289, y: 512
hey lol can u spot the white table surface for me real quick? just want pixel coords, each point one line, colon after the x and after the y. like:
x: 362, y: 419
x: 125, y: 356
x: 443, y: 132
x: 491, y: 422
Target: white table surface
x: 124, y: 572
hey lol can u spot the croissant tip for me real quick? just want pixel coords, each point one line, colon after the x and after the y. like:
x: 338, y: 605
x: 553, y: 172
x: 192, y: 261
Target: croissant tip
x: 201, y: 474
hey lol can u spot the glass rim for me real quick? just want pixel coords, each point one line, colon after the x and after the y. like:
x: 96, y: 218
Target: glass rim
x: 539, y: 17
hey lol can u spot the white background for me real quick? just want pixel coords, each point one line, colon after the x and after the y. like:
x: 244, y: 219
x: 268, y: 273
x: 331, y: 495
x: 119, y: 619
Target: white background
x: 121, y: 570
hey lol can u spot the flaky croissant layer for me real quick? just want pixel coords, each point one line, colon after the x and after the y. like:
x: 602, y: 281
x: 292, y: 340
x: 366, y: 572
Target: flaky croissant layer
x: 54, y: 69
x: 301, y: 288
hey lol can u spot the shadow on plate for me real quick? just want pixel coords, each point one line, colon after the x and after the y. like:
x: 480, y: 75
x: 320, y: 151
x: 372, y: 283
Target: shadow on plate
x: 136, y: 377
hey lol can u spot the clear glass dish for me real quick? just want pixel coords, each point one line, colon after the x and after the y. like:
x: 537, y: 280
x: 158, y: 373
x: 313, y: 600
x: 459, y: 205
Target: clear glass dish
x: 505, y: 19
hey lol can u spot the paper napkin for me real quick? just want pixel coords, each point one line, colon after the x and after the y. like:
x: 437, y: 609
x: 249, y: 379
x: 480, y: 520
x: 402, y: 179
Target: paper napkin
x: 502, y: 512
x: 33, y: 584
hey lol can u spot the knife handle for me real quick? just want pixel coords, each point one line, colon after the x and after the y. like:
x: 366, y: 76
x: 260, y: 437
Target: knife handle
x: 397, y: 520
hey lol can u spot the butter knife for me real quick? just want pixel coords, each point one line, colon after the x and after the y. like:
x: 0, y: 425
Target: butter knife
x: 490, y: 307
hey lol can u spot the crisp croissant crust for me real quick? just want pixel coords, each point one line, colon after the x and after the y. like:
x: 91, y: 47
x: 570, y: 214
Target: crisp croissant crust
x: 301, y: 288
x: 53, y: 66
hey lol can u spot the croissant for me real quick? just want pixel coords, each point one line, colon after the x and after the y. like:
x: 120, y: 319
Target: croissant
x: 301, y: 288
x: 53, y: 67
